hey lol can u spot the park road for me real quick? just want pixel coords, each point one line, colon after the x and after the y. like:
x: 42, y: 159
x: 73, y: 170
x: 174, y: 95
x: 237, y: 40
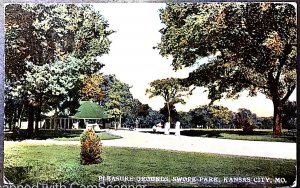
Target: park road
x: 279, y: 150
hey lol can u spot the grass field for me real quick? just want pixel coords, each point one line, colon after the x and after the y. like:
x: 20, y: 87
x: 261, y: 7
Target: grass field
x: 103, y: 136
x: 30, y: 164
x: 257, y: 135
x: 61, y: 135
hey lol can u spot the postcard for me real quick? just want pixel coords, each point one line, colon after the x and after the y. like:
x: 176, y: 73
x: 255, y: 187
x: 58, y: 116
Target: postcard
x: 119, y: 95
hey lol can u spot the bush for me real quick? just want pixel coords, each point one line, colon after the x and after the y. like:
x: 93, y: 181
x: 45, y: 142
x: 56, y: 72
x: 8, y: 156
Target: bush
x: 91, y: 148
x: 246, y: 120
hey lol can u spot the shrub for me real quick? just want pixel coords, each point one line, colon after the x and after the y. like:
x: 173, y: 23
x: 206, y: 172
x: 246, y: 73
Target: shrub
x: 91, y: 148
x: 245, y: 119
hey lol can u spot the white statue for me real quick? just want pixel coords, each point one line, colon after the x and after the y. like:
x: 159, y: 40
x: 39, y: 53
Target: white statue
x: 177, y: 128
x: 167, y: 128
x: 154, y: 128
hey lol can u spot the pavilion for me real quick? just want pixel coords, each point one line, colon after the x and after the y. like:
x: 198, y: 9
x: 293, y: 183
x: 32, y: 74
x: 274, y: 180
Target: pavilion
x: 90, y: 115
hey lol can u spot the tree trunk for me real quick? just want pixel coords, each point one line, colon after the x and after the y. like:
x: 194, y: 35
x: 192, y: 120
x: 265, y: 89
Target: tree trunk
x: 20, y: 116
x: 169, y: 113
x: 120, y: 121
x: 103, y: 123
x: 277, y: 119
x: 30, y: 120
x: 37, y: 118
x: 55, y: 119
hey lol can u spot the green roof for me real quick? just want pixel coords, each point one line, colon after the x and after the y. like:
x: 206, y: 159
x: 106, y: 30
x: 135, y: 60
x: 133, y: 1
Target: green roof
x: 90, y: 110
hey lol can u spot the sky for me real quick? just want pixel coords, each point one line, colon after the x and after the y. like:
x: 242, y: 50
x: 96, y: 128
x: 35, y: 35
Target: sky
x: 134, y: 61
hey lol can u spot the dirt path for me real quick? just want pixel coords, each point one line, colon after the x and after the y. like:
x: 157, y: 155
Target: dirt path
x: 190, y: 144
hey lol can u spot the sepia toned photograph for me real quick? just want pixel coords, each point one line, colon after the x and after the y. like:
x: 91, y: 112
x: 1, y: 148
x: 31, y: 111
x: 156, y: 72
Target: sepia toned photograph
x: 136, y: 95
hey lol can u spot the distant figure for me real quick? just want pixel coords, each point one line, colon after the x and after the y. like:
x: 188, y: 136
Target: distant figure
x: 177, y: 128
x: 167, y: 128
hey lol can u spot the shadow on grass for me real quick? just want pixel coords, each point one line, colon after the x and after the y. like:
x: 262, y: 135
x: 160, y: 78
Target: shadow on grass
x: 43, y: 134
x: 199, y: 133
x: 15, y: 174
x: 238, y: 134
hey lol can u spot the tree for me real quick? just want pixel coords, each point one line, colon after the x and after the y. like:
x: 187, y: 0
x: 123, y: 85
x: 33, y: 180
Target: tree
x: 50, y: 84
x: 200, y: 117
x: 153, y: 118
x: 172, y: 91
x: 289, y: 117
x: 221, y: 115
x: 245, y: 119
x: 211, y: 116
x: 118, y: 99
x: 266, y: 122
x: 170, y: 112
x: 136, y: 114
x: 185, y: 119
x: 45, y: 34
x: 91, y: 87
x: 250, y: 46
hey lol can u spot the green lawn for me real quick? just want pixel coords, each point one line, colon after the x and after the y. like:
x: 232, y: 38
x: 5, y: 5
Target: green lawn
x: 257, y: 135
x: 103, y: 136
x: 30, y: 164
x: 61, y: 135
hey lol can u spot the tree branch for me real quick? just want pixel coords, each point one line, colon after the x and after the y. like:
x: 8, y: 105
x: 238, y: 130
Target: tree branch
x: 288, y: 94
x: 282, y: 60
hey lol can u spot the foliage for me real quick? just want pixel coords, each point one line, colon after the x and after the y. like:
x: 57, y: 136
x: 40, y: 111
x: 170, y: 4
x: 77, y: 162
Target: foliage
x: 153, y: 117
x: 212, y: 116
x: 136, y: 113
x: 91, y: 148
x: 266, y: 122
x: 51, y: 80
x: 185, y: 119
x: 41, y: 33
x: 249, y: 46
x: 245, y: 119
x: 169, y: 112
x: 172, y: 91
x: 289, y: 117
x: 221, y: 115
x: 39, y: 37
x: 118, y: 98
x: 91, y: 87
x: 143, y: 110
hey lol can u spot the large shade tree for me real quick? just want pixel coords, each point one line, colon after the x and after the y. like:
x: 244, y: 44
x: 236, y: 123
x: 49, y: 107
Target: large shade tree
x: 172, y: 91
x: 249, y: 46
x: 45, y: 34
